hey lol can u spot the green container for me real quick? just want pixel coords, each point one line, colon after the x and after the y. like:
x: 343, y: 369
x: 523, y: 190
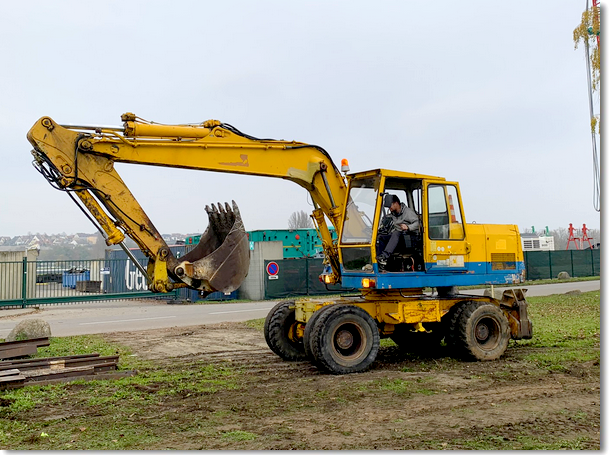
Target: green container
x: 297, y: 243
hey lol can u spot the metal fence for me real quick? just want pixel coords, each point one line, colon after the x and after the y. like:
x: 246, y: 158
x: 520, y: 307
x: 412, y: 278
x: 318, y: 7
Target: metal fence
x: 301, y: 276
x: 297, y: 277
x: 548, y: 264
x: 24, y: 283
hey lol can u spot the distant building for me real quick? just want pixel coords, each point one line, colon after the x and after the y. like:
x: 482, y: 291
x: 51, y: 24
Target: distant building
x: 535, y: 242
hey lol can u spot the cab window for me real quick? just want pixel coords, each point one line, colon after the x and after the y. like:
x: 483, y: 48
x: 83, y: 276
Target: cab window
x: 361, y: 204
x: 444, y: 213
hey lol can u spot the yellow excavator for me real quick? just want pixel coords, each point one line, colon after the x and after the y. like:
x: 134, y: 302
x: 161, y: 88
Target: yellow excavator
x: 340, y: 335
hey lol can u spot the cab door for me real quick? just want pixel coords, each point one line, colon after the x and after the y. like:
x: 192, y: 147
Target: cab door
x: 446, y: 246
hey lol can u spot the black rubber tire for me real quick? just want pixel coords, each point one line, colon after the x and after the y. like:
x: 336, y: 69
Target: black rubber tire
x: 450, y: 322
x: 344, y: 339
x: 418, y: 342
x: 277, y: 326
x: 309, y: 329
x: 481, y: 332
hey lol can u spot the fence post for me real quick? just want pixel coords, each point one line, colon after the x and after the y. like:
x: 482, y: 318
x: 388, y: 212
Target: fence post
x: 572, y: 272
x: 307, y: 274
x: 592, y: 260
x: 24, y: 282
x: 550, y: 261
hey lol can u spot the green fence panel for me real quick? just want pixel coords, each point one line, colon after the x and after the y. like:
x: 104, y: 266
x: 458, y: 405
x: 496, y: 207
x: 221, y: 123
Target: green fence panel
x: 582, y: 263
x: 291, y: 279
x: 538, y: 265
x: 541, y: 265
x: 561, y: 262
x: 297, y: 277
x: 596, y: 262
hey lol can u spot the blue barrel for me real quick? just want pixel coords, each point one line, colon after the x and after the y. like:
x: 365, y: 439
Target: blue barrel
x: 69, y: 278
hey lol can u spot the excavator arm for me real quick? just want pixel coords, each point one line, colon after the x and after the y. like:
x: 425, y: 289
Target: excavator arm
x: 80, y: 160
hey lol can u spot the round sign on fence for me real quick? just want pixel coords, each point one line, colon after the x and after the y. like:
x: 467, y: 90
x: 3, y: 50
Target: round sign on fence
x: 272, y: 268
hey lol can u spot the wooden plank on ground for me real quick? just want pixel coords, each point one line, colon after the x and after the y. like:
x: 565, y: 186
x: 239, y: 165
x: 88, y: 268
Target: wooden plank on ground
x: 88, y: 377
x: 43, y: 341
x: 15, y: 383
x: 9, y: 372
x: 21, y: 361
x: 36, y: 375
x: 59, y: 362
x: 13, y: 378
x: 12, y: 349
x: 18, y: 351
x: 100, y: 359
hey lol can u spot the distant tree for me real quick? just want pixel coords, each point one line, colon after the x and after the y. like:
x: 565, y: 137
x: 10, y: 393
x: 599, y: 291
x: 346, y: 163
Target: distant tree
x: 300, y: 220
x: 588, y: 32
x: 561, y: 236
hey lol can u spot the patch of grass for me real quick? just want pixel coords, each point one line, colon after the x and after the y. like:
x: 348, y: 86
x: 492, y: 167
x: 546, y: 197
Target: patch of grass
x: 397, y: 386
x: 119, y: 399
x: 565, y: 320
x: 387, y: 343
x: 149, y: 386
x: 497, y: 442
x: 257, y: 324
x: 239, y: 436
x: 537, y: 282
x: 567, y: 324
x: 84, y: 344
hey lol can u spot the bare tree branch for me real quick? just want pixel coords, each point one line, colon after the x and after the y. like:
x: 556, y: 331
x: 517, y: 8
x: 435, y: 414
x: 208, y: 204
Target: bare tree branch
x: 300, y: 220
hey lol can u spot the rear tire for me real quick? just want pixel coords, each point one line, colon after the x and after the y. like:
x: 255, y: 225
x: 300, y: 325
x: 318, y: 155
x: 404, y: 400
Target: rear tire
x: 482, y: 332
x: 450, y: 322
x: 279, y: 332
x: 344, y: 339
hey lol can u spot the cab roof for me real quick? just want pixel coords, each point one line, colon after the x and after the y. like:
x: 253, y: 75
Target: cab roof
x: 398, y: 174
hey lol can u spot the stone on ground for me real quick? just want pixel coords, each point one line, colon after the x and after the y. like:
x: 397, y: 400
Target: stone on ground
x: 29, y: 329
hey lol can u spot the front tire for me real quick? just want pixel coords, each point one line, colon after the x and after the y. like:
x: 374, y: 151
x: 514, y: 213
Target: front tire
x: 309, y: 330
x: 344, y: 339
x: 280, y: 332
x: 482, y: 332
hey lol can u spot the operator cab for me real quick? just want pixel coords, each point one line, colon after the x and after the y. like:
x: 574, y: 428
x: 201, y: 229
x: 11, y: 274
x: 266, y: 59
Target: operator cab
x: 437, y: 247
x: 408, y: 254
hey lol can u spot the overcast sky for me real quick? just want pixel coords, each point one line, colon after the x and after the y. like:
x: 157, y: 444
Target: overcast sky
x: 489, y: 94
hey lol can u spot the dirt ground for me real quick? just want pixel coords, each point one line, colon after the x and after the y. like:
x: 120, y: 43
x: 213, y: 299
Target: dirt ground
x: 404, y: 401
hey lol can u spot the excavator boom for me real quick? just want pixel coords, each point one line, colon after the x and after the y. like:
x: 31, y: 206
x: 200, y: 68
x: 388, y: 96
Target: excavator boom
x: 80, y: 160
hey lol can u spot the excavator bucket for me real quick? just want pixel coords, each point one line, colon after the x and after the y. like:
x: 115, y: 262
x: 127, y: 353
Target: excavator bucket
x: 221, y: 260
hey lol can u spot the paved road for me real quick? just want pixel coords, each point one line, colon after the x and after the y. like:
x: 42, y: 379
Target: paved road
x: 549, y: 289
x: 134, y: 315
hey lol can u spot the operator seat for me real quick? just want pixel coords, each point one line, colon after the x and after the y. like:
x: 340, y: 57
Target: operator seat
x: 408, y: 255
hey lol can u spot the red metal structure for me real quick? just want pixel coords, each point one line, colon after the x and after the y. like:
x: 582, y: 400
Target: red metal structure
x: 572, y: 237
x: 585, y: 237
